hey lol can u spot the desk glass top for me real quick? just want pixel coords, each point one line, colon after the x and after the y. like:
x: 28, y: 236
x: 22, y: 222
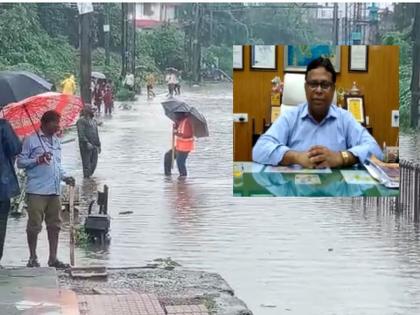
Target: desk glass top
x: 252, y: 179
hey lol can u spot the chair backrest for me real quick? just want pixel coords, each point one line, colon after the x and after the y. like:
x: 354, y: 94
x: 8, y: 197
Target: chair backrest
x: 294, y: 91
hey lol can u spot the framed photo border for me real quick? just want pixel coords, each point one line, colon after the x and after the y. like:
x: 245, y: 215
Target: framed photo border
x: 251, y: 54
x: 243, y: 59
x: 366, y: 69
x: 302, y: 69
x: 362, y: 98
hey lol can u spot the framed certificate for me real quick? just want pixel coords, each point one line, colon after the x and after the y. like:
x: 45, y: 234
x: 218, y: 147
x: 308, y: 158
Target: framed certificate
x: 355, y: 105
x: 263, y: 57
x: 358, y: 58
x: 238, y: 57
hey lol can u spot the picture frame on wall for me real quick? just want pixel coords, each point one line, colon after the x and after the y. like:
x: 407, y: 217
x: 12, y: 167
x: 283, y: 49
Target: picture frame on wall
x: 238, y: 57
x: 356, y: 106
x: 297, y: 57
x: 358, y: 58
x: 263, y: 57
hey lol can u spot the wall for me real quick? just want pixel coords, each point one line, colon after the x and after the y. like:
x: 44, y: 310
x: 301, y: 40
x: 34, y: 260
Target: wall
x: 380, y: 86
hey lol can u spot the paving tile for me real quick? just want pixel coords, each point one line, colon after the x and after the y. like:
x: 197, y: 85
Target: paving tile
x: 129, y: 304
x: 186, y: 310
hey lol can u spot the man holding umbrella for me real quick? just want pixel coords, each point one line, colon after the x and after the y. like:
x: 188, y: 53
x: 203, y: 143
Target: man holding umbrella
x: 41, y: 159
x: 10, y: 146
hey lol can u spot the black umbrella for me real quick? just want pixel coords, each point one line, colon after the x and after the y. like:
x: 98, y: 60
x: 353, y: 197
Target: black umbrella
x: 198, y: 121
x: 18, y: 85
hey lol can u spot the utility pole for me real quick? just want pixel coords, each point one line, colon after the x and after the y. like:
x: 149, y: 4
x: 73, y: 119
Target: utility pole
x: 123, y: 39
x: 196, y: 45
x: 415, y: 76
x: 85, y: 10
x: 133, y: 53
x: 107, y: 31
x: 335, y: 24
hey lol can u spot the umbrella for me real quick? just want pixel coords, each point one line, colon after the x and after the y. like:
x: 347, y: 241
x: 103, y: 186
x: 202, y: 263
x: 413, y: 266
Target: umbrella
x: 18, y: 85
x: 171, y: 69
x: 98, y: 75
x: 198, y: 121
x: 25, y: 116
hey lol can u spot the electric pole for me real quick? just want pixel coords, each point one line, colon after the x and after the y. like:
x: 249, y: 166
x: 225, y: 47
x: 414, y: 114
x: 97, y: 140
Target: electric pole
x: 335, y: 24
x: 85, y: 10
x: 124, y: 39
x: 415, y: 76
x: 133, y: 53
x: 107, y: 31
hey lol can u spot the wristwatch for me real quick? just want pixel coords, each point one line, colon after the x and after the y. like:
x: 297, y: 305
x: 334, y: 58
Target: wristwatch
x: 346, y: 157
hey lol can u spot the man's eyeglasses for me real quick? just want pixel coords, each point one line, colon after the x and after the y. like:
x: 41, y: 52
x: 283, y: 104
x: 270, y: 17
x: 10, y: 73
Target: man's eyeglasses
x: 325, y: 85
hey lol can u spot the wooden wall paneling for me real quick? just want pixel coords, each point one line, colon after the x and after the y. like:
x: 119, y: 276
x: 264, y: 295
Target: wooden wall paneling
x: 380, y: 86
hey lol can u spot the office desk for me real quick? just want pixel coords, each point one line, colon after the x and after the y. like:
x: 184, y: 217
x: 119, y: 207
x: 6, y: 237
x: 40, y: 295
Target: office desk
x: 253, y: 180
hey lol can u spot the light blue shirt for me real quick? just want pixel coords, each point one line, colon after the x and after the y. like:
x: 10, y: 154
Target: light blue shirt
x: 297, y: 130
x: 42, y: 179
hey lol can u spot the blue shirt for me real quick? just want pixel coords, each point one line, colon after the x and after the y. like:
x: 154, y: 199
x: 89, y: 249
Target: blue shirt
x: 42, y: 179
x: 297, y: 130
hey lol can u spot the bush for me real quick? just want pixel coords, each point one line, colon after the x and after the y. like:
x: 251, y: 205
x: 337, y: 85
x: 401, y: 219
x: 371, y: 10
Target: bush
x: 125, y: 95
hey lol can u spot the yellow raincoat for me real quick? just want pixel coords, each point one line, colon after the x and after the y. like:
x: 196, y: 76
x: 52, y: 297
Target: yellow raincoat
x: 68, y: 85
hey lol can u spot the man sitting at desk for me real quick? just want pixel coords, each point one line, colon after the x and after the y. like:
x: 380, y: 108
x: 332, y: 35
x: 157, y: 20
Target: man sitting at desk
x: 316, y: 134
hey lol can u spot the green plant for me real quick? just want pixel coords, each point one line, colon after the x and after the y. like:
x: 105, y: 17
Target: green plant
x: 125, y: 95
x: 81, y: 237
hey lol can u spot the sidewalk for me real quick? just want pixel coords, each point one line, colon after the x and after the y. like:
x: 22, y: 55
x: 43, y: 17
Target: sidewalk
x: 35, y: 291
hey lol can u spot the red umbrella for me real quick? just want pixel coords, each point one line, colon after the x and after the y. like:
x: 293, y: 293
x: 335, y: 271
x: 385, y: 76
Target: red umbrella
x: 25, y: 116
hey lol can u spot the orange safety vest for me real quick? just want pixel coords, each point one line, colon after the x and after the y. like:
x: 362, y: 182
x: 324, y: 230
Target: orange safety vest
x: 184, y: 144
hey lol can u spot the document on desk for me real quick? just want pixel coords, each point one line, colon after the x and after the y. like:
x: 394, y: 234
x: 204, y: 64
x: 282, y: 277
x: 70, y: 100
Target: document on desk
x: 249, y: 167
x: 296, y: 169
x: 305, y: 179
x: 357, y: 177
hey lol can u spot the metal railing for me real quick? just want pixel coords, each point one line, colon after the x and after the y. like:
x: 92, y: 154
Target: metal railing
x: 407, y: 203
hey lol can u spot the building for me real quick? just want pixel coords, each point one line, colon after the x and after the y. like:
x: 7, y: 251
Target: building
x: 150, y: 15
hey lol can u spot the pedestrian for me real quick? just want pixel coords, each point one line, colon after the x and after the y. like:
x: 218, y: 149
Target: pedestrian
x: 41, y: 159
x: 184, y: 144
x: 89, y: 142
x: 178, y: 84
x: 150, y: 84
x: 10, y: 146
x: 69, y: 85
x: 129, y: 81
x: 108, y: 99
x: 98, y: 96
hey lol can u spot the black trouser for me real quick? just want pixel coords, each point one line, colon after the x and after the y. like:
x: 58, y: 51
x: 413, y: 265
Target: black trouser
x: 181, y: 158
x: 89, y: 160
x: 150, y: 92
x: 4, y: 212
x: 108, y: 109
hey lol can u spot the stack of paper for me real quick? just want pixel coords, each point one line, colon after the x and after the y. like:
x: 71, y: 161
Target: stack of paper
x: 386, y: 175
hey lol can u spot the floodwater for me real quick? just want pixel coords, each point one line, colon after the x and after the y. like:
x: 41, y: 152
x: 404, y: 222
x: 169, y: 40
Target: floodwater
x: 280, y: 255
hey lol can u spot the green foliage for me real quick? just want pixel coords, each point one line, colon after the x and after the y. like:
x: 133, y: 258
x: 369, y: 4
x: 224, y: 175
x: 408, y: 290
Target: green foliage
x: 125, y: 95
x: 163, y: 45
x: 113, y: 71
x: 221, y: 53
x: 25, y: 45
x: 81, y: 237
x: 401, y: 39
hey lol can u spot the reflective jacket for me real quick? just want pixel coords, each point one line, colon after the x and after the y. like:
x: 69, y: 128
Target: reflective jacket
x: 184, y: 140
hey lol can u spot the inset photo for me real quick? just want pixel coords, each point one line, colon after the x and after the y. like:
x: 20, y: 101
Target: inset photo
x: 316, y: 121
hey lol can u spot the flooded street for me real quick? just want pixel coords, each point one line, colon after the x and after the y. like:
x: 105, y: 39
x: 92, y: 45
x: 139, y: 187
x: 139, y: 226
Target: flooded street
x: 280, y: 255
